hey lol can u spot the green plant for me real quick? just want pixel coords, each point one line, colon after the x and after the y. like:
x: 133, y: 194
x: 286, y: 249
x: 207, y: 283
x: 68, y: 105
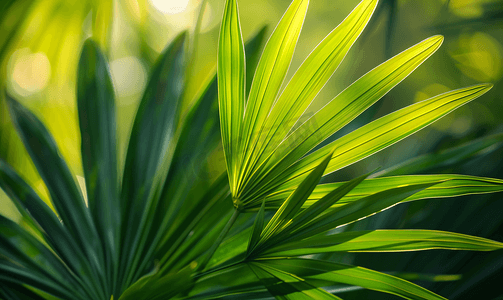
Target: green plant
x: 163, y: 231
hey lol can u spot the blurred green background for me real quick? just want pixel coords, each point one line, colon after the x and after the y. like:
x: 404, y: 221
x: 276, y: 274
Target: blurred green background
x: 40, y: 42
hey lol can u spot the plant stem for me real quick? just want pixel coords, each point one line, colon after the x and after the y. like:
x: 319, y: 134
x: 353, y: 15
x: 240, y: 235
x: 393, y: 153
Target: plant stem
x: 219, y: 239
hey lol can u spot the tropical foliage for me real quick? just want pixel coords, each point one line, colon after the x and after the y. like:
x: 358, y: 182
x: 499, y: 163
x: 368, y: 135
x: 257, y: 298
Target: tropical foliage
x: 156, y: 228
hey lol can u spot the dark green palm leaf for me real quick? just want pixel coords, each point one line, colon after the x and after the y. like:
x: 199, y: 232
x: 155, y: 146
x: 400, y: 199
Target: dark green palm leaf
x: 149, y: 155
x: 95, y: 98
x: 169, y: 228
x: 64, y: 192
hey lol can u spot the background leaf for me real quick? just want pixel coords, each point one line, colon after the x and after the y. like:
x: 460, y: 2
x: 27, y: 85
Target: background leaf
x: 96, y: 102
x: 149, y: 154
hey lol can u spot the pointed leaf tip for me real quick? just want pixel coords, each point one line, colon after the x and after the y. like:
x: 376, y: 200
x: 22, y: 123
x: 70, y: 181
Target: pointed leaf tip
x: 487, y: 86
x: 436, y: 40
x: 439, y: 38
x: 89, y: 43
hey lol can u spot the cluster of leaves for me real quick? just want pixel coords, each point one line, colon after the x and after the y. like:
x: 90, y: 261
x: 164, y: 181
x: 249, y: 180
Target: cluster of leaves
x: 161, y: 230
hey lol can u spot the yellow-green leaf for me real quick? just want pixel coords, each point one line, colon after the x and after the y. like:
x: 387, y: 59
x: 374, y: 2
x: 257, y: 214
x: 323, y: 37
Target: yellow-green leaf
x: 310, y: 78
x: 386, y: 131
x: 231, y: 72
x: 448, y: 186
x: 355, y: 99
x: 385, y: 241
x: 339, y: 273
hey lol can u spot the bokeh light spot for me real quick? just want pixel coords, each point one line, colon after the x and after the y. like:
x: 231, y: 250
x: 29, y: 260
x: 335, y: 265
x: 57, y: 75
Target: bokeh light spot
x: 466, y: 8
x: 478, y: 56
x: 30, y: 72
x: 170, y: 6
x: 129, y: 76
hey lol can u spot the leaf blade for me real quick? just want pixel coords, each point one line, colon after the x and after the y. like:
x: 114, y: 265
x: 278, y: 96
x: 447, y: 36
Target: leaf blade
x: 447, y: 185
x: 150, y: 153
x: 313, y: 74
x: 283, y: 285
x: 231, y: 72
x: 283, y: 162
x: 386, y: 241
x: 445, y: 158
x: 258, y: 226
x: 356, y: 210
x: 283, y: 218
x: 387, y: 130
x: 96, y: 109
x: 366, y: 278
x: 20, y: 247
x: 56, y: 235
x: 269, y: 76
x: 64, y: 192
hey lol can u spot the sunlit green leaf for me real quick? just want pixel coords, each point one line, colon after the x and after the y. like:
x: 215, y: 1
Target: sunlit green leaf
x: 339, y: 273
x: 283, y: 285
x: 287, y: 211
x: 385, y: 131
x: 385, y: 241
x: 356, y: 210
x: 428, y: 277
x: 179, y: 210
x: 311, y: 76
x: 445, y: 158
x: 269, y: 76
x: 174, y: 224
x: 231, y: 68
x: 288, y: 217
x: 258, y: 226
x: 283, y: 164
x: 447, y: 186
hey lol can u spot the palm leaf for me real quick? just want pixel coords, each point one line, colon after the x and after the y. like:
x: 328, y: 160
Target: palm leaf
x: 266, y: 84
x: 168, y: 230
x: 199, y: 133
x: 258, y: 227
x: 95, y: 99
x: 383, y: 132
x: 312, y: 75
x: 65, y: 194
x: 231, y: 84
x: 55, y: 234
x: 10, y: 291
x: 30, y: 255
x: 284, y: 216
x: 153, y: 287
x: 385, y: 241
x: 355, y: 211
x: 445, y: 158
x: 149, y: 154
x: 447, y: 185
x: 284, y: 160
x: 283, y: 285
x: 339, y: 273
